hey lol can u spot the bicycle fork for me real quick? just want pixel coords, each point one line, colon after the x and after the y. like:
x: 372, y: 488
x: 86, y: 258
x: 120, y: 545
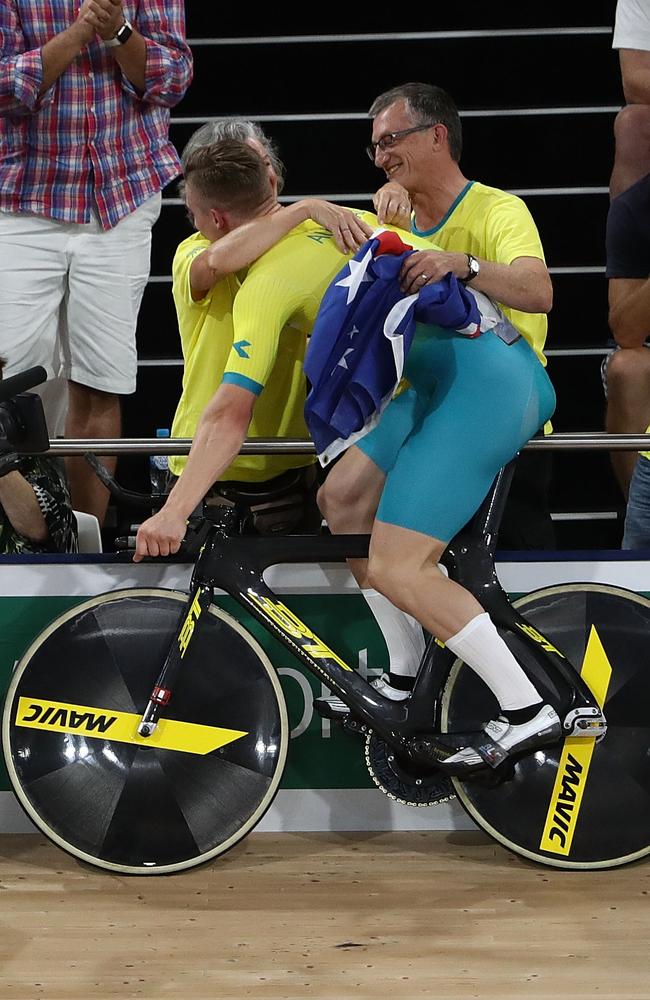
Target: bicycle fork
x: 199, y: 601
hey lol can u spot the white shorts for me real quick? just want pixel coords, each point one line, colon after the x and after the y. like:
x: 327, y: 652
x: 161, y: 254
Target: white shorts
x: 70, y: 295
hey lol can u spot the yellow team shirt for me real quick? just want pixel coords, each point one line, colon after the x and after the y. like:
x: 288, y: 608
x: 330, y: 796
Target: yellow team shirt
x: 495, y: 226
x: 254, y: 334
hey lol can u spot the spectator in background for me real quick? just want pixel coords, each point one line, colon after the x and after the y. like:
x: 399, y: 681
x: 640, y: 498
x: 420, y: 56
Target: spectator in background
x: 278, y: 491
x: 85, y: 93
x: 628, y: 271
x: 626, y: 370
x: 35, y: 510
x: 632, y: 125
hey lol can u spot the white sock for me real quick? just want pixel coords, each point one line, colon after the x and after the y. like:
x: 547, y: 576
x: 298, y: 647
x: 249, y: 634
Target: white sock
x: 403, y: 634
x: 480, y: 646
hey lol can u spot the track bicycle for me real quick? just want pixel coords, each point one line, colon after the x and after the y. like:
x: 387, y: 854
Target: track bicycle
x: 145, y: 731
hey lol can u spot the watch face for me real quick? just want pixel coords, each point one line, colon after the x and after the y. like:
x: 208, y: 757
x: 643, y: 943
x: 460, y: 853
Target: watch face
x: 124, y: 32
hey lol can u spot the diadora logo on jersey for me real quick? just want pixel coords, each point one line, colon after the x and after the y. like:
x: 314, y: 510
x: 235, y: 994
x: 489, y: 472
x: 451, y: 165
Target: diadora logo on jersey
x: 187, y: 631
x: 573, y: 768
x: 121, y: 727
x: 241, y: 346
x: 291, y: 625
x: 538, y: 637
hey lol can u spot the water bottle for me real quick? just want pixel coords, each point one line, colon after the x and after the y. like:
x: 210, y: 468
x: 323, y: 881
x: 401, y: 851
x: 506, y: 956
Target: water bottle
x: 159, y: 468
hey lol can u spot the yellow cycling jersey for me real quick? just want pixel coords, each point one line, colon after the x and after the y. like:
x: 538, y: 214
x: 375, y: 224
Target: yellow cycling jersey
x: 254, y: 334
x: 495, y: 226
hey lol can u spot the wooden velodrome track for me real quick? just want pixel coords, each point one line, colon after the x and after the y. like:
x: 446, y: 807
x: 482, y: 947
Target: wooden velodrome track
x: 337, y: 916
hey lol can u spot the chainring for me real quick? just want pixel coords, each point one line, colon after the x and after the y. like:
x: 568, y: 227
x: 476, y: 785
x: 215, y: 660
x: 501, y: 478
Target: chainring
x: 405, y: 783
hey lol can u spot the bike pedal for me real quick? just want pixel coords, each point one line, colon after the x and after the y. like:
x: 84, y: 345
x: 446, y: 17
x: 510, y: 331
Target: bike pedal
x: 585, y: 723
x: 438, y: 749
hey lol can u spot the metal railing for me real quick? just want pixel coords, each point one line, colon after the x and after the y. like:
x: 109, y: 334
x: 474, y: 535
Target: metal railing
x: 578, y: 441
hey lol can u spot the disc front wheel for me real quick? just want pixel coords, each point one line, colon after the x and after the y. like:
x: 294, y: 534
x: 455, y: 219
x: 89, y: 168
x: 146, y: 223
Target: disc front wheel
x: 125, y: 802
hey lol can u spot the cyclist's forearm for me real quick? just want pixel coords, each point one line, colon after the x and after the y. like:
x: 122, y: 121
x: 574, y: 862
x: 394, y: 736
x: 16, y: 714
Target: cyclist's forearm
x: 215, y: 447
x: 208, y: 460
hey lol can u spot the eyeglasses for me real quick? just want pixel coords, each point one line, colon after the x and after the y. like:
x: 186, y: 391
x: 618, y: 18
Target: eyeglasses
x: 388, y: 140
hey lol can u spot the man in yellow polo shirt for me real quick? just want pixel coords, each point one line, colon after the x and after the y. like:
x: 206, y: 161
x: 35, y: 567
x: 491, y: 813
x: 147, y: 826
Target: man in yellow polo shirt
x: 488, y: 238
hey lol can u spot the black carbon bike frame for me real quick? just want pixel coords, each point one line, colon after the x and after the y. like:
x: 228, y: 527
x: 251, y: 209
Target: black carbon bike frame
x: 236, y: 565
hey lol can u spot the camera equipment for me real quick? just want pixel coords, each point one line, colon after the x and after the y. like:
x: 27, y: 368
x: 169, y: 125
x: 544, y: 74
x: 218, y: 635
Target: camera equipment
x: 22, y: 421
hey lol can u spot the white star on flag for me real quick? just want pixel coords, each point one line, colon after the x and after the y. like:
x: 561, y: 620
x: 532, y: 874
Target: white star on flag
x: 355, y: 329
x: 356, y: 277
x: 342, y: 363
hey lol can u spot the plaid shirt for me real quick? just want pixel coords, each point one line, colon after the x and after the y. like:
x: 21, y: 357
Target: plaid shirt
x: 91, y: 140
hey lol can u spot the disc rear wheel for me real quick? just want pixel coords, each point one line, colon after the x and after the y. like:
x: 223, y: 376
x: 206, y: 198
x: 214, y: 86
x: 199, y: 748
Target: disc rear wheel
x: 581, y: 804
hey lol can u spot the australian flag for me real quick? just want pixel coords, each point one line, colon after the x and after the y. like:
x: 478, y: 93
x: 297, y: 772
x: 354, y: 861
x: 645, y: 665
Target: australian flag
x: 362, y: 335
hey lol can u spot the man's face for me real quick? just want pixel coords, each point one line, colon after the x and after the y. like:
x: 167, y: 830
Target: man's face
x: 200, y: 215
x: 408, y: 160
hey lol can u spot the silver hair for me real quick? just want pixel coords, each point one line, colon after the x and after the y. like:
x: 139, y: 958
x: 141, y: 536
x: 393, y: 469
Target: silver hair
x: 234, y: 128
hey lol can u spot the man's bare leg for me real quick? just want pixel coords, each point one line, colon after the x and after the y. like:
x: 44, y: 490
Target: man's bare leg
x: 403, y: 565
x: 632, y: 156
x: 628, y: 405
x: 91, y: 414
x: 349, y: 499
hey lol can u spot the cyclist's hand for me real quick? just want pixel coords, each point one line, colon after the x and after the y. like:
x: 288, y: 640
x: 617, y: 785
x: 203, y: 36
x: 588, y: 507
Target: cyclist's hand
x: 349, y: 231
x: 161, y: 535
x: 393, y: 206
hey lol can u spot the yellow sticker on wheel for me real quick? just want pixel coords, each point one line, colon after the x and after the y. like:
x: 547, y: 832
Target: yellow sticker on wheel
x: 122, y: 727
x: 573, y: 769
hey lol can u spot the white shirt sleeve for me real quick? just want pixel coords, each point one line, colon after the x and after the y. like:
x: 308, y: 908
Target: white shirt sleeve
x: 632, y: 25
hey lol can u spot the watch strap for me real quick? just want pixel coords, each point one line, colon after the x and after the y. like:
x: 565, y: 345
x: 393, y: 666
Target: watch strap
x: 121, y: 36
x: 473, y: 268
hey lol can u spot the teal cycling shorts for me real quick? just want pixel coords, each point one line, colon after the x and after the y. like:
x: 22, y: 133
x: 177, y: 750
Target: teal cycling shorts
x: 472, y: 405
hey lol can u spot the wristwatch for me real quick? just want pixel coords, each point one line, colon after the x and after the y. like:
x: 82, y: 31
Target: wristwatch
x: 121, y: 36
x: 473, y: 269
